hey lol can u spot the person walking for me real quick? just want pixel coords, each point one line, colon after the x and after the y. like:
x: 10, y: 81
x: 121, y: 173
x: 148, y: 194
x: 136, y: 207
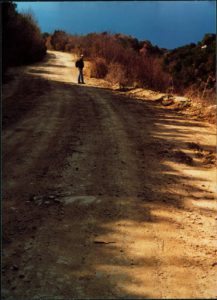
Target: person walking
x: 80, y: 65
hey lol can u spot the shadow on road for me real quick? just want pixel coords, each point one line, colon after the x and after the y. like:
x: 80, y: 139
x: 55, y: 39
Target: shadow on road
x: 110, y: 248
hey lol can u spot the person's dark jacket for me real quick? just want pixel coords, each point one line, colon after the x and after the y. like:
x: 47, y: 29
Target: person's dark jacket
x: 79, y: 63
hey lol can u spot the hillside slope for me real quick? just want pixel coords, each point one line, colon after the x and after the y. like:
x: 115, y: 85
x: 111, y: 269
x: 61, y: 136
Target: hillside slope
x: 188, y: 69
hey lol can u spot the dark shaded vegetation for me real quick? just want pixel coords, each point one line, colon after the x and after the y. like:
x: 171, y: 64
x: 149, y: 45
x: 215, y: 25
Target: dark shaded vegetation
x: 193, y: 66
x: 22, y: 41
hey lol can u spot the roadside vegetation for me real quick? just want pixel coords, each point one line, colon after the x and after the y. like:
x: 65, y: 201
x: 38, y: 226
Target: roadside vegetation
x: 22, y: 41
x: 120, y: 59
x: 193, y: 68
x: 126, y: 61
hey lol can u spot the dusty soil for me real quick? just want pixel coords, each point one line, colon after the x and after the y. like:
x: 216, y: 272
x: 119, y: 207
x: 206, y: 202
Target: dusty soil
x: 104, y: 195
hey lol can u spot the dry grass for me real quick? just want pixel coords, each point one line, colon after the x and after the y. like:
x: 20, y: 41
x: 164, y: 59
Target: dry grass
x: 203, y: 104
x: 117, y: 75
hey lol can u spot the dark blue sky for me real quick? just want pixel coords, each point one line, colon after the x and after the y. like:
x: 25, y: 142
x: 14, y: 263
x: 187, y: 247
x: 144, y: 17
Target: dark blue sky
x: 167, y: 24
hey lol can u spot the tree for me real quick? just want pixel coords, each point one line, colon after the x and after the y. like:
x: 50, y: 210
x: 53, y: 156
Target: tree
x: 21, y: 38
x: 59, y: 40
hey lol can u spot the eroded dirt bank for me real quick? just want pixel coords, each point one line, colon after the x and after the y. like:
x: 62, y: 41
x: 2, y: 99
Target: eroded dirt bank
x: 104, y: 196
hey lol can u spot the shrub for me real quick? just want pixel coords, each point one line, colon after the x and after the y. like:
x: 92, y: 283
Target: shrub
x: 59, y: 40
x: 99, y: 68
x: 124, y: 59
x: 117, y: 75
x: 162, y: 81
x: 191, y: 65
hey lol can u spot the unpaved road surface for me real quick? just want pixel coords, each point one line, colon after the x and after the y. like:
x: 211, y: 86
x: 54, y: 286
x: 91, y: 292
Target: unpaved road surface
x: 104, y: 196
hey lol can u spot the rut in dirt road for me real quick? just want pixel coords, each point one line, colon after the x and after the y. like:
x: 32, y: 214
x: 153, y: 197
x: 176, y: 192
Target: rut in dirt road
x: 104, y: 195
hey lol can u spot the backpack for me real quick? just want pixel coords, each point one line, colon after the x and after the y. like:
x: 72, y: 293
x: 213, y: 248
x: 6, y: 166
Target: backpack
x: 76, y: 64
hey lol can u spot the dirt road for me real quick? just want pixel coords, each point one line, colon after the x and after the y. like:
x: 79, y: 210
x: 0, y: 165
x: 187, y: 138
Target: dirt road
x: 104, y: 196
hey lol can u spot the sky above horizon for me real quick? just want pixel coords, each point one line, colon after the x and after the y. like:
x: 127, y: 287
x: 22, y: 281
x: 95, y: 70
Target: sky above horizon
x: 168, y: 24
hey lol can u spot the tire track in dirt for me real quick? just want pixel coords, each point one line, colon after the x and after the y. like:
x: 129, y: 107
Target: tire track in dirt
x: 139, y: 113
x: 129, y: 142
x: 114, y: 148
x: 117, y: 153
x: 152, y: 182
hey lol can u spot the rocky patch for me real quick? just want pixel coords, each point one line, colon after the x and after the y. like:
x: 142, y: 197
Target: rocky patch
x: 206, y: 158
x: 57, y: 198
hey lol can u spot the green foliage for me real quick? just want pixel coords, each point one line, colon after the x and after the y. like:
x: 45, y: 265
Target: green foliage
x: 21, y: 38
x: 192, y: 64
x: 208, y: 39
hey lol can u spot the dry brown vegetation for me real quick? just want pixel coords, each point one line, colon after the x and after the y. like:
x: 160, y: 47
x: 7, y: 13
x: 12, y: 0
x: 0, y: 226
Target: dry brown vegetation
x: 120, y: 59
x: 116, y: 57
x: 127, y: 62
x: 99, y: 68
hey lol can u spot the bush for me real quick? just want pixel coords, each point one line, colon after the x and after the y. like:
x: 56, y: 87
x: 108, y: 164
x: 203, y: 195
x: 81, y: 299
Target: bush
x: 59, y: 40
x: 21, y: 38
x: 99, y: 68
x: 117, y: 75
x: 123, y: 59
x: 191, y: 65
x: 162, y: 81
